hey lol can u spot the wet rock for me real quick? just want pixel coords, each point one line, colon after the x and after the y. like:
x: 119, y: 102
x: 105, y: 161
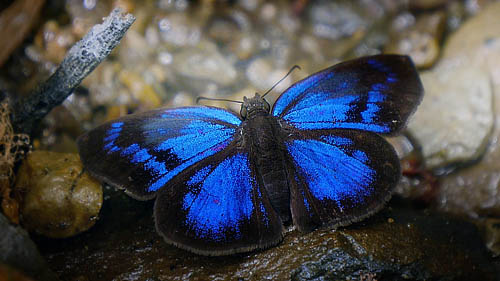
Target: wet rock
x: 396, y: 244
x: 19, y: 252
x: 61, y: 200
x: 336, y: 20
x: 244, y: 47
x: 457, y: 101
x: 473, y: 190
x: 421, y: 41
x: 464, y: 83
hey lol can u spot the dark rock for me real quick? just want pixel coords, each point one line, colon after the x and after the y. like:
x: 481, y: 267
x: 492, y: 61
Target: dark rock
x: 397, y: 244
x: 18, y: 250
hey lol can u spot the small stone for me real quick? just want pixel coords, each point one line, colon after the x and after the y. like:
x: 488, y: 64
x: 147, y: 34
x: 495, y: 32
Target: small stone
x: 223, y: 30
x: 263, y: 76
x: 205, y: 62
x: 427, y: 4
x: 61, y: 200
x: 178, y: 30
x: 140, y: 89
x: 420, y: 41
x: 244, y: 47
x: 336, y: 20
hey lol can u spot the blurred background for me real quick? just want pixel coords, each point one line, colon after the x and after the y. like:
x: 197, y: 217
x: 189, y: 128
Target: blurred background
x: 178, y: 50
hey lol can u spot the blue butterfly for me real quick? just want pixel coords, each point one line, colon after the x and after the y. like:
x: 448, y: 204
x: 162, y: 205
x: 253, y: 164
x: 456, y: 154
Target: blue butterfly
x: 227, y: 184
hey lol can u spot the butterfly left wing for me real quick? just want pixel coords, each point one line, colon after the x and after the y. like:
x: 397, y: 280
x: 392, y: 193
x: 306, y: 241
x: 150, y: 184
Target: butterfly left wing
x: 143, y: 152
x: 219, y: 207
x: 376, y: 94
x: 338, y: 176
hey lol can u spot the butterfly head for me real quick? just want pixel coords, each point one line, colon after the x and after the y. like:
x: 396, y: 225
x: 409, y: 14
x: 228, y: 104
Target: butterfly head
x: 254, y: 106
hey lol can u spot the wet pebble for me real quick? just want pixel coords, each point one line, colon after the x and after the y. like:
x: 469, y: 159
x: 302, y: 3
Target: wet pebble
x: 335, y: 20
x: 421, y: 41
x: 61, y: 200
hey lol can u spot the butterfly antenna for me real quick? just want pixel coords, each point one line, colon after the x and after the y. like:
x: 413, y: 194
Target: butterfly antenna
x: 289, y: 72
x: 212, y: 99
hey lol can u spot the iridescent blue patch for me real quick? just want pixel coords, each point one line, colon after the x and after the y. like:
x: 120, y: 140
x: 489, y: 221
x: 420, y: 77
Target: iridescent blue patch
x: 222, y: 200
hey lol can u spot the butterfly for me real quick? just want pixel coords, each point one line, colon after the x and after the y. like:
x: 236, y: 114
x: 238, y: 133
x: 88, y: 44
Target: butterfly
x: 228, y: 184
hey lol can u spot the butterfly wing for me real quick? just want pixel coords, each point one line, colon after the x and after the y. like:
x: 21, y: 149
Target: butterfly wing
x: 142, y: 152
x: 218, y: 207
x: 339, y: 169
x: 376, y: 94
x: 338, y: 176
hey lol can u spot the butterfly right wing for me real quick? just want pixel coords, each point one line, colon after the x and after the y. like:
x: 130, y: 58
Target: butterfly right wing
x: 142, y: 152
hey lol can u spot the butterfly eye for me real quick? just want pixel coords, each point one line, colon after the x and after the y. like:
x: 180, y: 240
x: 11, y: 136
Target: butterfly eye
x: 267, y: 106
x: 243, y: 112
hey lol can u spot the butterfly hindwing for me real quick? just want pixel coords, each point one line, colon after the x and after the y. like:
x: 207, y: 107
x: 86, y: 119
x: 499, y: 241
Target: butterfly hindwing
x: 218, y: 207
x: 338, y: 176
x: 376, y: 94
x: 142, y: 152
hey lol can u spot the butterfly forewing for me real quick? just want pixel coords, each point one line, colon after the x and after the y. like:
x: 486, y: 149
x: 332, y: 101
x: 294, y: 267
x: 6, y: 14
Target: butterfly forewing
x: 218, y: 207
x: 339, y: 176
x: 375, y: 94
x: 143, y: 152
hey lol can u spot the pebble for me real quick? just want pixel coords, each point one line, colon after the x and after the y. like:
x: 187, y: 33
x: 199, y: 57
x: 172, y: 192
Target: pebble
x: 205, y: 62
x: 61, y: 199
x: 420, y: 41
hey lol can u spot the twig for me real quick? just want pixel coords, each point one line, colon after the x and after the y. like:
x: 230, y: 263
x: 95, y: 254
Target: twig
x: 79, y: 62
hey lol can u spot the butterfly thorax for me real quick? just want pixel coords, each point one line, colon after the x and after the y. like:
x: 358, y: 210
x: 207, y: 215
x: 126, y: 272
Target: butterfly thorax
x: 261, y: 135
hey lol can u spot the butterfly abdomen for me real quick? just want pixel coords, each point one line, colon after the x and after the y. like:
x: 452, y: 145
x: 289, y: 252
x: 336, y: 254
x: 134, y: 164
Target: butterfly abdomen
x: 261, y: 134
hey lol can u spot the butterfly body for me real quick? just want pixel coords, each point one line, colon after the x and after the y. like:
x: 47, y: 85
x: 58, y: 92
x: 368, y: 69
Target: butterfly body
x: 264, y: 137
x: 227, y: 184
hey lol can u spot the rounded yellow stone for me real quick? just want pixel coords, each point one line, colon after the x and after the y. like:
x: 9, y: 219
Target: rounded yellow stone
x: 61, y: 199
